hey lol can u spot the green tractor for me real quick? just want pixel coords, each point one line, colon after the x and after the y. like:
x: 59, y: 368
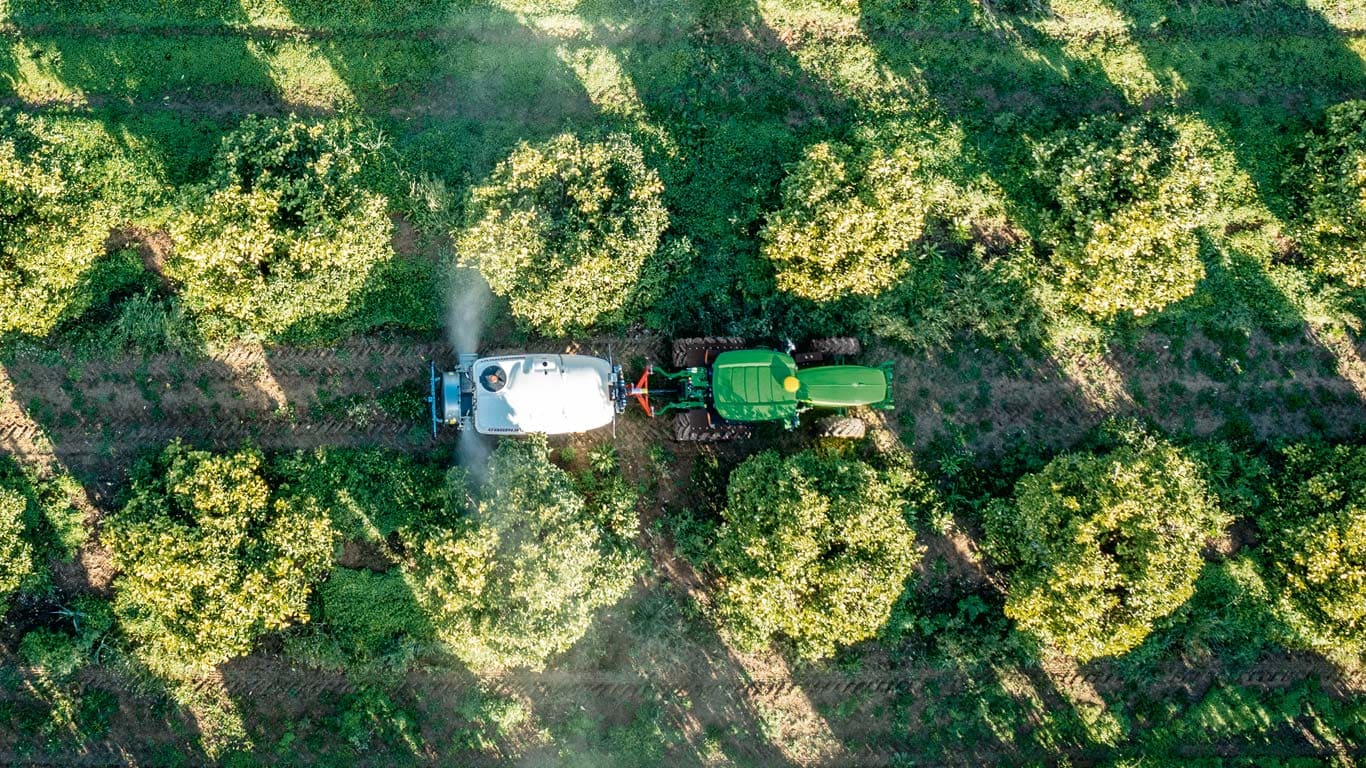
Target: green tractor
x: 721, y: 388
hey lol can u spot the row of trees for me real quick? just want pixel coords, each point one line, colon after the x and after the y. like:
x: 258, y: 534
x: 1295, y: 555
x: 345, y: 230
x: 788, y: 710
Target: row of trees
x: 292, y: 226
x: 1099, y: 548
x: 814, y: 550
x: 213, y: 550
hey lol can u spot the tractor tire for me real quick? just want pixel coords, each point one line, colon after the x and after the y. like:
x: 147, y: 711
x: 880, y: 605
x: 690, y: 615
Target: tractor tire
x: 696, y: 352
x: 839, y: 346
x: 691, y: 430
x: 842, y: 427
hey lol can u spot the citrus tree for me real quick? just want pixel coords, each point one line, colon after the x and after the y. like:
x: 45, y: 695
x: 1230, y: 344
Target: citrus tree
x: 1103, y: 546
x: 1124, y: 199
x: 814, y: 548
x: 518, y: 576
x: 563, y: 229
x: 287, y: 230
x: 1332, y: 183
x: 55, y: 215
x: 208, y: 560
x: 850, y: 215
x: 1314, y: 547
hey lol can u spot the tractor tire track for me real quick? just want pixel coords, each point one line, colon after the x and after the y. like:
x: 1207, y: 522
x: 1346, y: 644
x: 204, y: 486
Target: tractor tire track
x: 266, y: 678
x: 98, y: 413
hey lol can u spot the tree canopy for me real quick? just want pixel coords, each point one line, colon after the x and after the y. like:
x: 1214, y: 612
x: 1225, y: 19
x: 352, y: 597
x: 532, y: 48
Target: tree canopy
x: 814, y: 548
x: 1103, y: 546
x: 1314, y: 549
x: 209, y: 559
x: 850, y: 215
x: 287, y: 230
x: 518, y: 576
x: 1333, y: 184
x: 56, y: 211
x: 1124, y: 201
x: 563, y: 229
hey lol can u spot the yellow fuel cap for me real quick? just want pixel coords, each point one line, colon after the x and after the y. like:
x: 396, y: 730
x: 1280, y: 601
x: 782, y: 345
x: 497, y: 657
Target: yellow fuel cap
x: 792, y: 384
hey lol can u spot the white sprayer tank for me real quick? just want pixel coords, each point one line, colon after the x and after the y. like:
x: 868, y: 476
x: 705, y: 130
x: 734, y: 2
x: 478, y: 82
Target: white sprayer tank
x: 552, y: 394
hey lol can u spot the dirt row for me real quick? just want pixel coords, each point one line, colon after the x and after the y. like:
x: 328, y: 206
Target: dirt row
x: 366, y: 392
x: 93, y: 412
x: 291, y: 692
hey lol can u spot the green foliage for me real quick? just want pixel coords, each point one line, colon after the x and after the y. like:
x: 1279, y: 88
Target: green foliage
x: 56, y: 653
x: 1103, y: 546
x: 1332, y: 185
x: 208, y: 560
x: 1125, y: 198
x: 1314, y: 527
x: 368, y: 612
x: 288, y: 230
x: 367, y: 493
x: 369, y: 716
x: 850, y: 216
x: 519, y: 578
x: 814, y: 547
x: 49, y: 525
x: 16, y: 555
x: 57, y: 207
x: 563, y: 230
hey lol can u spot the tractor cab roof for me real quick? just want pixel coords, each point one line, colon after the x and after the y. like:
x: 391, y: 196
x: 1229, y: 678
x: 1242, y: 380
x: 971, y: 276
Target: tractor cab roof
x: 752, y: 385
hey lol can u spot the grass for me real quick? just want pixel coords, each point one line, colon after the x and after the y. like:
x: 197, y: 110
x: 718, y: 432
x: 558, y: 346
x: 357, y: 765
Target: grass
x: 724, y: 97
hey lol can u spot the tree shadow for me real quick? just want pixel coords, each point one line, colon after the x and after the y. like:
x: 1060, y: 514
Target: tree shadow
x: 720, y: 106
x: 653, y: 683
x: 1260, y: 77
x: 955, y: 683
x: 1237, y: 359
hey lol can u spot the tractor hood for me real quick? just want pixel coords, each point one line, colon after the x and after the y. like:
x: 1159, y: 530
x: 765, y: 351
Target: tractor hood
x: 842, y: 386
x: 553, y: 394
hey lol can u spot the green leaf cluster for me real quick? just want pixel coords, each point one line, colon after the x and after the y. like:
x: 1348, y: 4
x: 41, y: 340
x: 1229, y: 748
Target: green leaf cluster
x: 519, y: 578
x: 16, y: 555
x: 55, y: 215
x: 287, y: 231
x: 562, y: 230
x: 1314, y: 548
x: 815, y: 548
x: 1333, y: 184
x: 370, y: 612
x: 209, y: 558
x: 1124, y: 201
x: 850, y: 215
x: 1103, y: 546
x: 367, y: 493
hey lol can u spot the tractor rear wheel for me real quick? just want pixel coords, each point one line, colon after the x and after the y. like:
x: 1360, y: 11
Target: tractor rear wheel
x: 838, y: 346
x: 694, y: 427
x: 697, y: 352
x: 842, y: 427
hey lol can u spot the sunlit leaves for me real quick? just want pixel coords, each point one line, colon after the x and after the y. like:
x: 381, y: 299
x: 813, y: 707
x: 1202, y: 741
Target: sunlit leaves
x: 563, y: 229
x: 208, y: 560
x: 1333, y: 184
x: 1103, y: 546
x: 1315, y: 550
x: 1125, y: 199
x: 813, y: 548
x: 287, y: 230
x: 520, y: 576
